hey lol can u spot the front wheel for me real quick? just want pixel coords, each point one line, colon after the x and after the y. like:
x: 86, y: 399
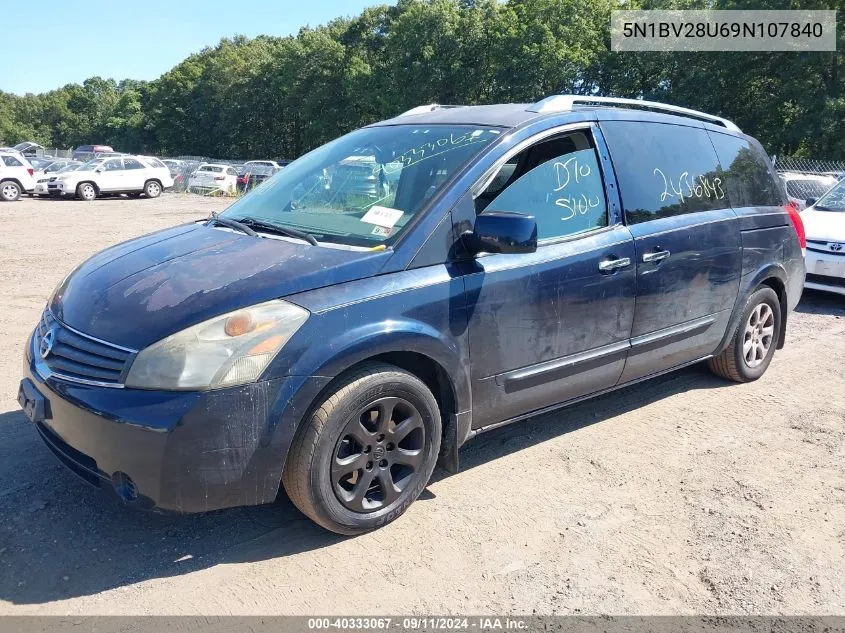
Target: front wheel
x: 152, y: 189
x: 367, y: 452
x: 753, y: 346
x: 86, y: 191
x: 9, y: 190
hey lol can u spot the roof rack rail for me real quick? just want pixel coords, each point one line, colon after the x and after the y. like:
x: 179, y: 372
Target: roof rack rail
x: 429, y: 107
x: 564, y: 103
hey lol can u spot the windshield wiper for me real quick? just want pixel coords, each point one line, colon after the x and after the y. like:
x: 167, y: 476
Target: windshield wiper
x: 231, y: 224
x: 261, y: 225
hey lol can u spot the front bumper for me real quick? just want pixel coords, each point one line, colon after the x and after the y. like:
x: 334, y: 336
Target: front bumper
x: 181, y: 451
x: 58, y: 188
x: 825, y: 271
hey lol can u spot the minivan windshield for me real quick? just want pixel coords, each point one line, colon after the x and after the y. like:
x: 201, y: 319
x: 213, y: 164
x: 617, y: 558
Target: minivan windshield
x: 833, y: 200
x: 363, y: 188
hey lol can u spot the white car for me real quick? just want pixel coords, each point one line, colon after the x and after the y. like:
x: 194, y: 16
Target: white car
x: 15, y: 176
x: 212, y: 178
x: 799, y: 187
x: 134, y: 175
x: 43, y: 180
x: 824, y: 225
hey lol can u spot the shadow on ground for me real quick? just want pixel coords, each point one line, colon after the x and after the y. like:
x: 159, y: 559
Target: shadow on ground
x: 818, y: 302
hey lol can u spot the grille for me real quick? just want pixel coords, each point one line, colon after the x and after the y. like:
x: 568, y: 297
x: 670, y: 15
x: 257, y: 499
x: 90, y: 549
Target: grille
x: 826, y: 280
x: 79, y: 358
x: 824, y: 247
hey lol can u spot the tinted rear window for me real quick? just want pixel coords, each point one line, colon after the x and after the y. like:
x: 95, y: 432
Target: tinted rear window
x: 664, y: 170
x: 748, y: 180
x: 214, y: 169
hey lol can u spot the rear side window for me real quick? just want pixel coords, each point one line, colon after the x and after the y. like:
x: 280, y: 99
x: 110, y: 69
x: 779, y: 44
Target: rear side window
x: 748, y: 180
x: 155, y: 162
x: 131, y: 163
x: 11, y: 161
x: 664, y: 170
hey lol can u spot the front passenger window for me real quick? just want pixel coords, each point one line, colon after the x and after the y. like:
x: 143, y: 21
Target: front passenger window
x: 557, y: 181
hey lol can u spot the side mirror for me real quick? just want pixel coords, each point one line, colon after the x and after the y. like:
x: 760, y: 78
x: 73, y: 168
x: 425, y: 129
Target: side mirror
x: 503, y: 232
x: 99, y: 170
x: 810, y: 201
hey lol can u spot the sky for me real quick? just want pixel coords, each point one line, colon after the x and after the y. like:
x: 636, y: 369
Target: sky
x: 56, y: 42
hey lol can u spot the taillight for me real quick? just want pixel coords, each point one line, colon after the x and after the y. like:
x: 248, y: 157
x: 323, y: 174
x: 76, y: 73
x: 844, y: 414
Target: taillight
x: 31, y: 171
x: 220, y: 178
x: 797, y: 222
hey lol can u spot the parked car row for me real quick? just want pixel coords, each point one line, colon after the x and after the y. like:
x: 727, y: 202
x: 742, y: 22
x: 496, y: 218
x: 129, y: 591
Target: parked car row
x: 133, y: 175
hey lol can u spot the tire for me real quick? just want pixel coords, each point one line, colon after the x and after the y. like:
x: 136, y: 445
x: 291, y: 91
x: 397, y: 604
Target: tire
x: 753, y: 345
x: 152, y: 188
x: 10, y: 191
x: 86, y: 191
x: 339, y: 480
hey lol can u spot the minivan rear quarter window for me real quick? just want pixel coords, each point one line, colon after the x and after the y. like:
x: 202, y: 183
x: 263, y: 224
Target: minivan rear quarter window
x: 664, y: 170
x: 748, y: 180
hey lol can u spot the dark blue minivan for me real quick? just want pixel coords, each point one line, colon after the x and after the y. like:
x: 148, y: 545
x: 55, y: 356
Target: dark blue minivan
x: 355, y: 319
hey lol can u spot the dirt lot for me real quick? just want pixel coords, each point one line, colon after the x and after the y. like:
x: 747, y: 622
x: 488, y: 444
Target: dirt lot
x: 684, y: 494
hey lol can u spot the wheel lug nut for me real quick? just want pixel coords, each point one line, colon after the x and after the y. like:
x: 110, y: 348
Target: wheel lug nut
x: 369, y: 466
x: 390, y: 446
x: 380, y: 437
x: 383, y: 463
x: 367, y: 449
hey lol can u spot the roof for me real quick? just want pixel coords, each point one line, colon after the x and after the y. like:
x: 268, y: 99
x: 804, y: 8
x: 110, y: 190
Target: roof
x: 510, y: 115
x: 500, y: 115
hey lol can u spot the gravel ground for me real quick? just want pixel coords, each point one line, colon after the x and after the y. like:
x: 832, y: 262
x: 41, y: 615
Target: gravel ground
x: 681, y: 495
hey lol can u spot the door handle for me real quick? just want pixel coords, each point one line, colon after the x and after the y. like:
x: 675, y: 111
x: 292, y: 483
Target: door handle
x: 656, y: 256
x: 614, y: 264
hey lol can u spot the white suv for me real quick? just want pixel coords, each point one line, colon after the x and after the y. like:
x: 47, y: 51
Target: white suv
x: 15, y: 176
x: 134, y: 175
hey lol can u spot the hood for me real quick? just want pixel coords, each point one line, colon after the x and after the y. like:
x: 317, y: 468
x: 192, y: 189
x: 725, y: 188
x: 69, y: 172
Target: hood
x: 138, y: 292
x: 824, y: 226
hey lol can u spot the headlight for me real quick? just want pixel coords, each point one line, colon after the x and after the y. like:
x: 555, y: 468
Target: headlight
x: 231, y: 349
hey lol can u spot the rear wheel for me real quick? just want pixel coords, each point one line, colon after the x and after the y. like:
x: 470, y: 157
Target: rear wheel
x: 753, y: 346
x: 367, y: 452
x: 10, y: 190
x: 152, y: 188
x: 86, y: 191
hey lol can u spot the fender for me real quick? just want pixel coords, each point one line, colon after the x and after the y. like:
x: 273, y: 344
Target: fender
x: 747, y: 284
x: 335, y: 355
